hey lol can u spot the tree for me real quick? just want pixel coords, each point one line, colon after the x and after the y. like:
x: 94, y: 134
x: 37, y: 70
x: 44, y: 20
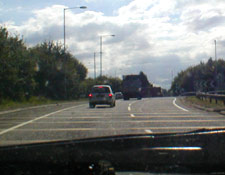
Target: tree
x: 59, y: 74
x: 203, y: 77
x: 16, y: 68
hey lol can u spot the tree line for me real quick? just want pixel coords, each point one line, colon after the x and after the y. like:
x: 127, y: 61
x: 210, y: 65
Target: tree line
x: 45, y: 70
x: 204, y: 77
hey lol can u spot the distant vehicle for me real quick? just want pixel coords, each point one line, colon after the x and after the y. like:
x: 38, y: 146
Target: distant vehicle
x: 131, y: 87
x: 101, y: 94
x: 119, y: 95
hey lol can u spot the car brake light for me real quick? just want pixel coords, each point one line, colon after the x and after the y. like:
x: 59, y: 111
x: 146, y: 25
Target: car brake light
x: 100, y: 87
x: 110, y: 95
x: 90, y: 95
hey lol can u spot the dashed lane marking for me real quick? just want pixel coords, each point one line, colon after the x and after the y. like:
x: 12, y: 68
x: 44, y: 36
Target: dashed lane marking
x: 129, y: 106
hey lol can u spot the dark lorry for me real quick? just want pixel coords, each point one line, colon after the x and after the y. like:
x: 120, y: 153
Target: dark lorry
x: 138, y: 86
x: 131, y: 87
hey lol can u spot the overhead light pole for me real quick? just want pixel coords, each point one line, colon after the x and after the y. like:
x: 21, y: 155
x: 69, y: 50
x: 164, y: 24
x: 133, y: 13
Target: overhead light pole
x: 94, y: 66
x: 64, y: 23
x: 101, y: 52
x: 64, y: 39
x: 215, y: 50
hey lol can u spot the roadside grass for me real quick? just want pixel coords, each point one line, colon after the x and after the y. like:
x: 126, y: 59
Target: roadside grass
x: 205, y: 103
x: 33, y: 101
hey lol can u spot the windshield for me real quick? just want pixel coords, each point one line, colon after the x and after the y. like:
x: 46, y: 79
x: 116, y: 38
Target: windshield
x: 166, y: 57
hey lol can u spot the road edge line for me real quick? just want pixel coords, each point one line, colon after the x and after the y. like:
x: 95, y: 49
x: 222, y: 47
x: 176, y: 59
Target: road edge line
x: 174, y: 103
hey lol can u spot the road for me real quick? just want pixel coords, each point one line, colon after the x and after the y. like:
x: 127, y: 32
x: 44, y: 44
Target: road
x: 76, y: 121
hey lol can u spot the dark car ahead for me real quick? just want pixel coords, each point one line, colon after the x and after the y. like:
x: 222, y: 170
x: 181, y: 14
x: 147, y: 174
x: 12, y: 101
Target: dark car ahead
x: 101, y: 95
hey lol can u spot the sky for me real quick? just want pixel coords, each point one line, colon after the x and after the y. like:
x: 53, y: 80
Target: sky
x: 158, y: 37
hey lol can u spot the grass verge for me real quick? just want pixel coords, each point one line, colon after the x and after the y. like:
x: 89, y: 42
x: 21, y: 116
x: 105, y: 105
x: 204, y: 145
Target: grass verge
x: 33, y: 101
x: 205, y: 103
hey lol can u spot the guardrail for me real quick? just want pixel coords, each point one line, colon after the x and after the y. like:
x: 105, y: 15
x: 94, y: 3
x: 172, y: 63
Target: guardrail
x: 188, y: 94
x: 211, y: 97
x: 216, y: 92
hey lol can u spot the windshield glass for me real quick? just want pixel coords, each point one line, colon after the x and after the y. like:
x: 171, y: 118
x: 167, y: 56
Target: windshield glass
x: 166, y: 57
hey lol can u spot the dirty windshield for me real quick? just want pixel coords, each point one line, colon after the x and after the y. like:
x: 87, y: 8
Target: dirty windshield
x: 164, y: 57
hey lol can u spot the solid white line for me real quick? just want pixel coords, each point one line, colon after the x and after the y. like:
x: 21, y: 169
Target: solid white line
x: 174, y: 103
x: 38, y: 118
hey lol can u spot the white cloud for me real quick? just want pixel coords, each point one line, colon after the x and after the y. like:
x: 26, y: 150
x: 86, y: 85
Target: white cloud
x: 157, y: 36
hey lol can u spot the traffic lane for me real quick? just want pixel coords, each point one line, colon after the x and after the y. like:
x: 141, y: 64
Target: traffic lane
x: 156, y: 105
x: 47, y: 129
x: 121, y: 123
x: 169, y: 117
x: 83, y: 122
x: 111, y: 125
x: 163, y: 107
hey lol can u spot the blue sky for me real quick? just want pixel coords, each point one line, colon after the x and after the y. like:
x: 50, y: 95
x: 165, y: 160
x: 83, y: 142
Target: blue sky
x: 159, y: 37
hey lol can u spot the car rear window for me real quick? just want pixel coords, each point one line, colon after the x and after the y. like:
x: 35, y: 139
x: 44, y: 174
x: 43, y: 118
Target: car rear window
x: 100, y: 90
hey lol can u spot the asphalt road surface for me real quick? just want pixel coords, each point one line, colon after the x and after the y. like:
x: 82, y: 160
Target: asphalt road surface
x: 77, y: 121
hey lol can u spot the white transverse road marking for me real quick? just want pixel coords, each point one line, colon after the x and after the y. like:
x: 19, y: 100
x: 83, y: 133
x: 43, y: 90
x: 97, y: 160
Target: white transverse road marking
x: 132, y: 115
x: 148, y: 131
x: 38, y: 118
x: 174, y: 103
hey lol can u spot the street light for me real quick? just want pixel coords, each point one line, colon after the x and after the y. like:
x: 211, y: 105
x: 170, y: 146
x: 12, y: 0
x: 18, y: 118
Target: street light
x: 64, y: 43
x: 215, y: 50
x: 94, y: 66
x: 64, y: 23
x: 101, y: 52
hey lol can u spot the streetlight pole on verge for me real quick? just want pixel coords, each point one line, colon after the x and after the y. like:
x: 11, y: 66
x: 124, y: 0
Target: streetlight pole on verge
x: 94, y: 66
x: 215, y: 50
x: 64, y: 40
x: 101, y: 52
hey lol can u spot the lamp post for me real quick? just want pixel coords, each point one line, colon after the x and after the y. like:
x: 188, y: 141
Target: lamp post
x: 94, y: 66
x: 101, y: 52
x: 64, y: 43
x: 64, y: 22
x: 215, y: 50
